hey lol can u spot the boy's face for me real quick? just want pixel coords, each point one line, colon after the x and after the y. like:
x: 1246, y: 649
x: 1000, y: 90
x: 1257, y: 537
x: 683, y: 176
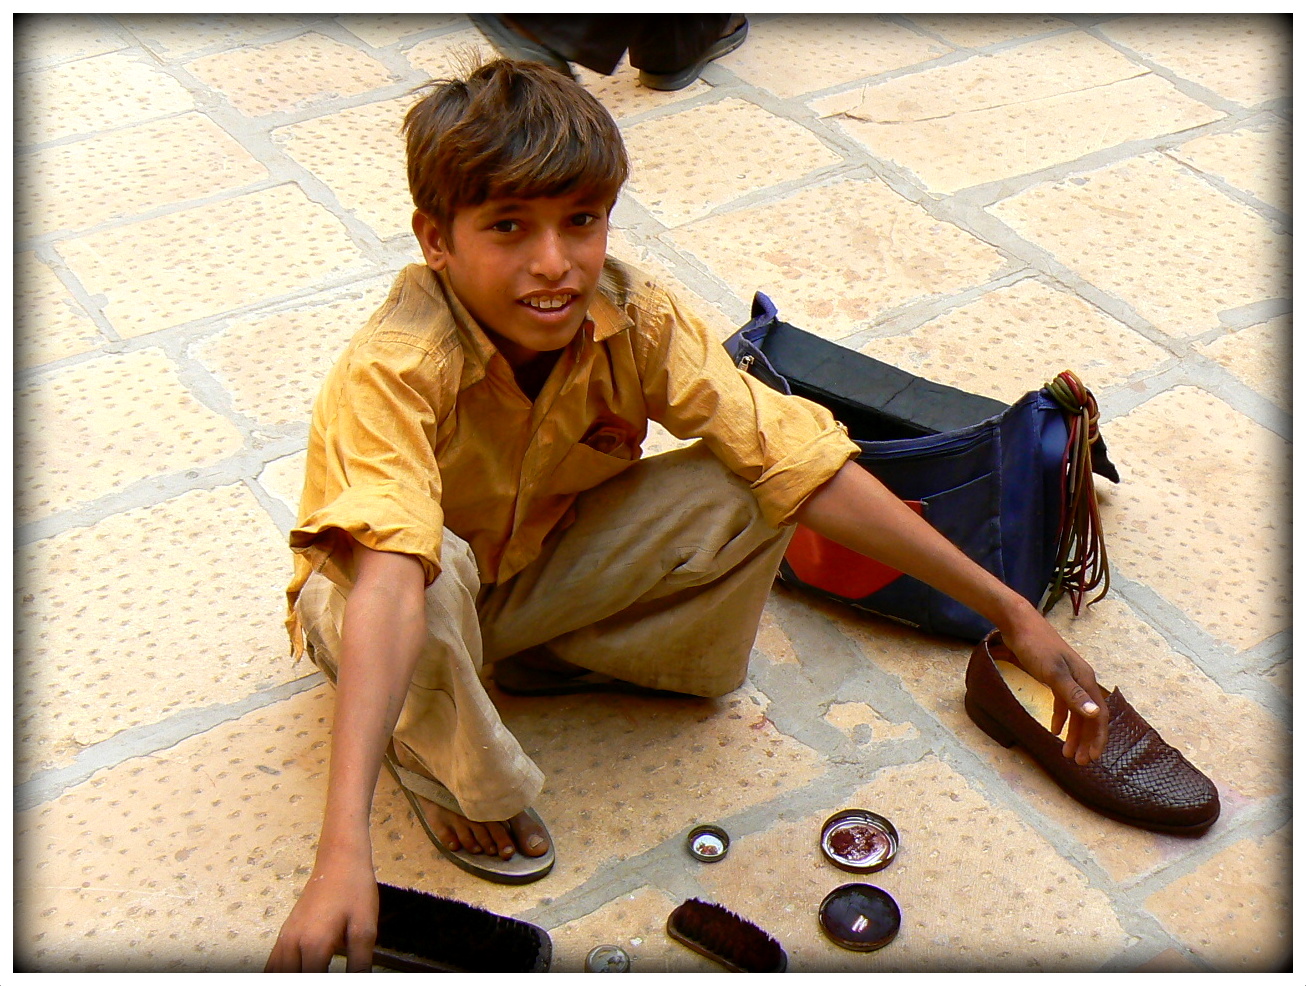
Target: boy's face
x: 526, y: 269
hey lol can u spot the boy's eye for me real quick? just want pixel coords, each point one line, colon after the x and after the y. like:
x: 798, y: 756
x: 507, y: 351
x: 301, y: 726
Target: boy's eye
x: 584, y: 219
x: 506, y: 226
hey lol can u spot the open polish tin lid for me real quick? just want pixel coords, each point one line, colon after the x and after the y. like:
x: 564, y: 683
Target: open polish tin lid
x: 859, y: 841
x: 708, y: 843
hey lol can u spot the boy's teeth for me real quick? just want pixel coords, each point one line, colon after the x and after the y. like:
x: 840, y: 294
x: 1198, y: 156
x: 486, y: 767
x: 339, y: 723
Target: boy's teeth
x: 547, y: 303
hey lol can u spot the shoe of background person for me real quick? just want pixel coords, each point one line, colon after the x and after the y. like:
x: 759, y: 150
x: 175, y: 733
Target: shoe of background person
x: 509, y: 43
x: 1140, y: 779
x: 679, y: 78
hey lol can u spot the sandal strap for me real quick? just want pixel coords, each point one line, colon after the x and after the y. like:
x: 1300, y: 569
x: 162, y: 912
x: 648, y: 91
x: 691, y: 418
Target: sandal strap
x: 425, y: 787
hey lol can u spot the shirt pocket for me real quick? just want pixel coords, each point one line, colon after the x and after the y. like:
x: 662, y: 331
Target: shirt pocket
x: 584, y: 468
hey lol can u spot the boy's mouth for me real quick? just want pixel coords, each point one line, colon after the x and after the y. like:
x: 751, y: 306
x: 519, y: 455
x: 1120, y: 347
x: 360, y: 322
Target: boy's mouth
x: 548, y: 302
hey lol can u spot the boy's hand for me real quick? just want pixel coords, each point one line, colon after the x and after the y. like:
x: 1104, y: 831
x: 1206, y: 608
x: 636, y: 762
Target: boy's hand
x: 1045, y: 656
x: 338, y: 907
x: 856, y: 510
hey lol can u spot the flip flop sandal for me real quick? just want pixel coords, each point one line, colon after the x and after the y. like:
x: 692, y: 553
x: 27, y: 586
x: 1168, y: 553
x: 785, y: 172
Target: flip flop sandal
x: 510, y: 44
x: 520, y: 868
x: 518, y: 678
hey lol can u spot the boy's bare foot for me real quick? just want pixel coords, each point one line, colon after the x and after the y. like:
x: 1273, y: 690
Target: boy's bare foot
x: 521, y: 832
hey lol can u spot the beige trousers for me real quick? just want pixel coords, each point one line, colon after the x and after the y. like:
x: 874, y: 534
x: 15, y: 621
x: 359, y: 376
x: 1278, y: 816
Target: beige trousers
x: 660, y: 581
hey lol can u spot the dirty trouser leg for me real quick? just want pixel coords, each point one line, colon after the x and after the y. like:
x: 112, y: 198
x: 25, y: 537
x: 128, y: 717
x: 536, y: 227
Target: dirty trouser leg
x: 660, y: 581
x: 448, y: 728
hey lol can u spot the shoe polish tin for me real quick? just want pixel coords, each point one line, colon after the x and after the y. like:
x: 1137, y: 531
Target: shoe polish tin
x: 607, y: 958
x: 708, y: 843
x: 860, y: 917
x: 859, y: 841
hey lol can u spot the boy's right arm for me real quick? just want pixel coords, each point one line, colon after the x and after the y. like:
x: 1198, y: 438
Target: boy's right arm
x: 384, y: 629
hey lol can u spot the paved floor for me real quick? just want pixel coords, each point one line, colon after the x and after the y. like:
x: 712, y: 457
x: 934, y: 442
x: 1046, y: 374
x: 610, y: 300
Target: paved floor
x: 207, y: 208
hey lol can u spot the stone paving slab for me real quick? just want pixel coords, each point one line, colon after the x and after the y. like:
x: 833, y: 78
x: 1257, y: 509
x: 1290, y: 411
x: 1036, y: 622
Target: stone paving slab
x: 208, y: 206
x: 1013, y: 113
x: 836, y: 256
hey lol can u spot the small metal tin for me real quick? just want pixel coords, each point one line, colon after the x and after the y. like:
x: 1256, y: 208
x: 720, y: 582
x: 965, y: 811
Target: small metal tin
x: 708, y: 843
x: 859, y: 841
x: 860, y: 917
x: 607, y: 958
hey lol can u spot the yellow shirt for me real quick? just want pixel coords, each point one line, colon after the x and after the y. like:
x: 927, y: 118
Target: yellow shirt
x: 421, y: 425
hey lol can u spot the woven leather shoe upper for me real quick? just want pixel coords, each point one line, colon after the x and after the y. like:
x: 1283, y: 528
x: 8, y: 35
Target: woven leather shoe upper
x: 1140, y: 779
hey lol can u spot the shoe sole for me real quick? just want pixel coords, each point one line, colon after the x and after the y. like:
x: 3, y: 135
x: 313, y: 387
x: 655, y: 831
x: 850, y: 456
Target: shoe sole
x: 1003, y: 737
x: 518, y: 869
x: 674, y: 81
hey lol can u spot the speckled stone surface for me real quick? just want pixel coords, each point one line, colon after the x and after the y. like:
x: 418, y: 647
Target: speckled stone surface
x: 1014, y: 339
x: 43, y: 40
x: 95, y: 427
x: 284, y: 479
x: 208, y: 206
x: 1225, y: 910
x: 710, y: 155
x: 153, y: 275
x: 359, y: 153
x: 836, y: 256
x: 180, y: 860
x: 813, y: 52
x: 1130, y: 230
x: 1255, y: 355
x: 49, y: 324
x: 1012, y: 113
x: 381, y: 30
x: 138, y: 169
x: 442, y: 57
x: 862, y: 723
x: 51, y: 103
x: 1178, y: 525
x: 623, y: 778
x: 1242, y: 57
x: 981, y: 30
x: 290, y: 75
x: 173, y: 36
x: 273, y: 365
x: 167, y: 636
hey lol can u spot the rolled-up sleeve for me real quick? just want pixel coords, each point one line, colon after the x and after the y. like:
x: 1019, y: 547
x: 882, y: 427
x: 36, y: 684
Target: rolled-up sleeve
x: 786, y: 447
x: 372, y: 471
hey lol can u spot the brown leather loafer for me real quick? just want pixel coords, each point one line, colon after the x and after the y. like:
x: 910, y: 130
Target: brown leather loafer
x: 1140, y: 779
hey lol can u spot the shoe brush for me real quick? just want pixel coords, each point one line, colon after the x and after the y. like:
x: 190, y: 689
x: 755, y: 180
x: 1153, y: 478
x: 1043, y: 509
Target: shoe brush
x: 419, y: 932
x: 725, y: 937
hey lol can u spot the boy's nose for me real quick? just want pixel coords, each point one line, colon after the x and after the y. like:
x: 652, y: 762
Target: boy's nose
x: 550, y: 260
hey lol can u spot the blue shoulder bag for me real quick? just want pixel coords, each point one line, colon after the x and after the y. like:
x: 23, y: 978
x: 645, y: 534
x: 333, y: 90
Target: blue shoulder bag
x: 1011, y: 486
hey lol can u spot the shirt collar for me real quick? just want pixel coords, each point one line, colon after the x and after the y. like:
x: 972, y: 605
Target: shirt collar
x: 477, y: 348
x: 609, y: 308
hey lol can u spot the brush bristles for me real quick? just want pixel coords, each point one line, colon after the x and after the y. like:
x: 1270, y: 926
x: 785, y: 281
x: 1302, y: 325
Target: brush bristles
x: 726, y: 937
x: 458, y: 935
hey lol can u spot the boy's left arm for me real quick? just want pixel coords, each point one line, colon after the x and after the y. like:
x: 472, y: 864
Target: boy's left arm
x: 856, y: 510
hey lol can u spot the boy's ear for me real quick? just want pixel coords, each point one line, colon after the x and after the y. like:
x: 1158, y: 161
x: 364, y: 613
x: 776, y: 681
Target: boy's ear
x: 432, y: 241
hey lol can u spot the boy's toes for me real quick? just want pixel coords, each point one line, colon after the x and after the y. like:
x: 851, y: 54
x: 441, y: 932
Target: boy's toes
x: 447, y: 835
x: 502, y: 839
x: 529, y: 835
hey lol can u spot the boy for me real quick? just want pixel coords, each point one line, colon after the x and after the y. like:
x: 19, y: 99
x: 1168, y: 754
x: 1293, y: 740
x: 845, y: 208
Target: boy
x: 474, y: 493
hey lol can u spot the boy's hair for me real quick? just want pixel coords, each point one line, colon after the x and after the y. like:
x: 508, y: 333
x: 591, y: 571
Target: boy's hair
x: 509, y: 129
